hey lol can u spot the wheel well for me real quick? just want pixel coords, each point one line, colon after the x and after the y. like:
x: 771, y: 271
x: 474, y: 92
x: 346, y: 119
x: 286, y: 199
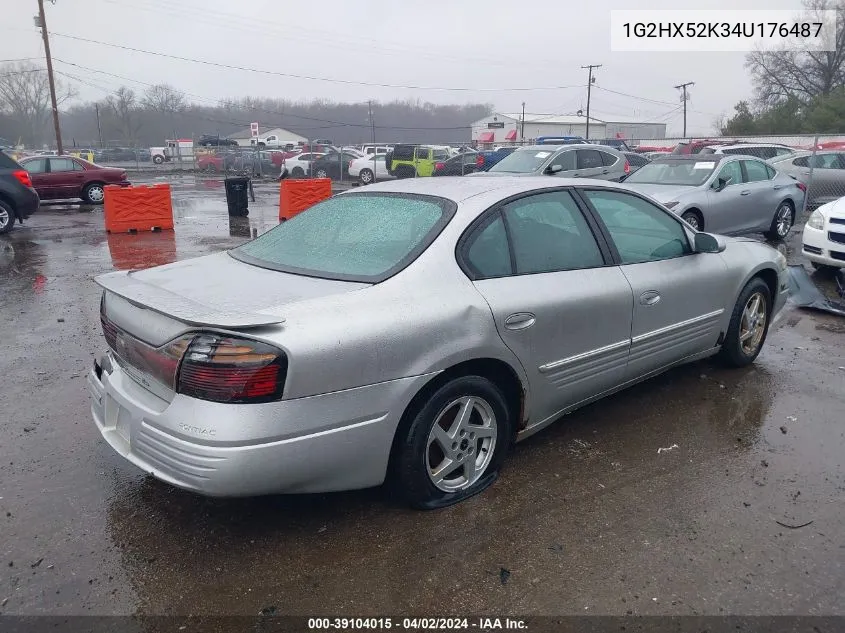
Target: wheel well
x: 93, y: 182
x: 496, y: 371
x: 700, y: 217
x: 770, y: 277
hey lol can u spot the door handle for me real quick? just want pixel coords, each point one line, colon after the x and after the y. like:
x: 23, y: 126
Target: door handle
x: 606, y: 171
x: 520, y: 321
x: 650, y: 297
x: 778, y: 187
x: 744, y: 193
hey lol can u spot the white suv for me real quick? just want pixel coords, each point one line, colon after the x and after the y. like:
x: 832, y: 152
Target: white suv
x: 760, y: 150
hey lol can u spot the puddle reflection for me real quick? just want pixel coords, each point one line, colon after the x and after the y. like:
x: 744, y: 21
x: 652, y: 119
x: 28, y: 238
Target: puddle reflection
x: 142, y: 250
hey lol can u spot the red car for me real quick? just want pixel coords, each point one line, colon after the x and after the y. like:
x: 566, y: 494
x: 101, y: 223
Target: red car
x: 61, y: 177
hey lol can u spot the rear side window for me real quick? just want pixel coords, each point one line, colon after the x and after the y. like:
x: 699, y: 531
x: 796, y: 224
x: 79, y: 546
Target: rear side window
x: 488, y: 254
x: 636, y: 160
x: 589, y: 158
x: 403, y: 152
x: 607, y: 159
x: 38, y: 166
x: 363, y: 237
x: 755, y: 171
x: 802, y: 161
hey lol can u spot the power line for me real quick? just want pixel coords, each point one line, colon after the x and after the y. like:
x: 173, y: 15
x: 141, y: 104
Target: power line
x: 308, y: 77
x: 667, y: 103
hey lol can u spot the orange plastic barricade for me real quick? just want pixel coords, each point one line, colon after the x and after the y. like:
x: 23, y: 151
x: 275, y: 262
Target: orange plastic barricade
x: 144, y: 250
x: 138, y: 208
x: 297, y: 195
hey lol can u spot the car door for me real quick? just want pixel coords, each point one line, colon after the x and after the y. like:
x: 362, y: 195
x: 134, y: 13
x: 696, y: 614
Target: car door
x: 680, y: 297
x: 67, y: 176
x: 727, y: 210
x: 558, y: 302
x: 765, y: 194
x: 37, y: 168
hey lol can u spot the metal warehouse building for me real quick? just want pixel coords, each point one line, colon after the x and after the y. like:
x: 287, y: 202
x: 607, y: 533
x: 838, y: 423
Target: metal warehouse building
x: 508, y: 127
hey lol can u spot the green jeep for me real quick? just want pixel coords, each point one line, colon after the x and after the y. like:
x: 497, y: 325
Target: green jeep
x: 410, y: 161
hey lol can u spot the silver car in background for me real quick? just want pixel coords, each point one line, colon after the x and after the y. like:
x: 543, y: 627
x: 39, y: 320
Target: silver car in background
x: 563, y: 161
x: 722, y: 193
x: 822, y: 171
x: 409, y: 332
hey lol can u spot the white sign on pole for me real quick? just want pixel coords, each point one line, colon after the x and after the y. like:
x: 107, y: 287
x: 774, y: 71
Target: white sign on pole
x: 253, y: 127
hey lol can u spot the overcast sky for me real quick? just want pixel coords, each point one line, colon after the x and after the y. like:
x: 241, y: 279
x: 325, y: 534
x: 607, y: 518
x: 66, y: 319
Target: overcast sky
x: 476, y: 44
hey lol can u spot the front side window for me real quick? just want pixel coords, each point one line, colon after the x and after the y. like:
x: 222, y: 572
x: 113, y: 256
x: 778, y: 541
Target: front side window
x: 731, y: 170
x: 566, y: 160
x: 756, y: 171
x: 355, y: 237
x: 549, y: 233
x: 641, y: 231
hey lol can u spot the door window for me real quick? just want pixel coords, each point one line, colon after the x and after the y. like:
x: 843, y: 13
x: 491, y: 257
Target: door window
x: 565, y: 159
x: 589, y: 159
x: 488, y: 254
x: 62, y: 164
x: 607, y: 159
x: 731, y: 170
x: 548, y: 233
x: 36, y: 166
x: 641, y: 231
x: 755, y: 171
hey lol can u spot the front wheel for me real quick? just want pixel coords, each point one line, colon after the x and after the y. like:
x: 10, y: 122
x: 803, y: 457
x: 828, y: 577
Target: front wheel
x: 366, y: 176
x: 455, y: 444
x: 749, y: 324
x: 782, y: 222
x: 158, y: 160
x: 691, y: 218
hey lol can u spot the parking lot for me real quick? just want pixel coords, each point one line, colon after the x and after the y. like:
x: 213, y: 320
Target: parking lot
x: 742, y: 515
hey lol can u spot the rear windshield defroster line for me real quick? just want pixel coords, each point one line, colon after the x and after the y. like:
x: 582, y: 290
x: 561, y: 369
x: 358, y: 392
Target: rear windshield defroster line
x: 364, y: 237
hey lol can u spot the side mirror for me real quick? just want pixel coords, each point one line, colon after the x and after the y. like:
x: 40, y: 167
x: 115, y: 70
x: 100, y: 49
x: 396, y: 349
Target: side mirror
x: 721, y: 183
x: 707, y: 243
x: 553, y: 169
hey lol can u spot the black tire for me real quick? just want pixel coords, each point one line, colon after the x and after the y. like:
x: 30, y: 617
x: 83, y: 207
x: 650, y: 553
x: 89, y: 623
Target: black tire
x: 410, y: 475
x: 405, y: 172
x: 158, y: 160
x: 694, y: 219
x: 782, y: 222
x: 94, y: 193
x: 298, y: 172
x: 367, y: 176
x: 733, y: 353
x: 7, y: 217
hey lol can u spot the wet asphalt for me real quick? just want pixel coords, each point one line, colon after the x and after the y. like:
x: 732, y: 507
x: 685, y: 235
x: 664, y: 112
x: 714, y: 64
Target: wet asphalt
x: 587, y: 518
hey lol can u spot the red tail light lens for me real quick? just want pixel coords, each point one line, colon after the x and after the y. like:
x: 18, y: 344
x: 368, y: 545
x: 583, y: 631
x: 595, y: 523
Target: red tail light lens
x: 479, y: 161
x: 802, y: 187
x: 23, y: 176
x: 627, y: 167
x: 438, y: 166
x: 234, y: 370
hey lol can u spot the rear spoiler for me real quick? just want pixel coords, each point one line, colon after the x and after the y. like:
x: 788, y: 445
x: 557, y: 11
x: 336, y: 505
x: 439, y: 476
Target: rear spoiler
x: 148, y: 296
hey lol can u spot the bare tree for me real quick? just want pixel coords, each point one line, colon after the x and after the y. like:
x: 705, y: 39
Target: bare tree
x: 164, y: 98
x: 25, y: 97
x: 124, y: 109
x: 802, y: 75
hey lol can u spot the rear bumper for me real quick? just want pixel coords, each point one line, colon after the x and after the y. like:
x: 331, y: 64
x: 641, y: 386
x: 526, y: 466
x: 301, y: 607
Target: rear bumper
x: 26, y: 202
x: 335, y: 441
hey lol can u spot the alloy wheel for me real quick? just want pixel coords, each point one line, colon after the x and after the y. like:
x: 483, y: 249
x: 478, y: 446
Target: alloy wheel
x: 783, y: 220
x: 461, y: 443
x: 752, y: 326
x: 96, y: 193
x: 5, y: 218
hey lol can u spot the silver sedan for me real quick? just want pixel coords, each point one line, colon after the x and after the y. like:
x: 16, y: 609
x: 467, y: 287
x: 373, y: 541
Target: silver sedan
x: 410, y: 332
x: 720, y: 193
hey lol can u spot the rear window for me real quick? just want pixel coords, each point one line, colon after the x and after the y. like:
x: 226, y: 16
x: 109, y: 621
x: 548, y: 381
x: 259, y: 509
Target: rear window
x: 7, y: 162
x: 365, y: 237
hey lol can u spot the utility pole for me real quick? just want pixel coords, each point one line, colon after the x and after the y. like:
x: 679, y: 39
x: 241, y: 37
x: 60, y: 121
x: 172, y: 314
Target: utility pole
x: 590, y: 81
x: 99, y: 129
x: 685, y: 98
x: 42, y: 22
x: 522, y: 132
x: 372, y: 123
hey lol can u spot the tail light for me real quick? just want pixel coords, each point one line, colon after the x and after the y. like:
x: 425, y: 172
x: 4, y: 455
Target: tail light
x: 802, y: 186
x: 479, y: 161
x: 23, y: 176
x: 627, y: 167
x: 439, y: 166
x: 228, y: 369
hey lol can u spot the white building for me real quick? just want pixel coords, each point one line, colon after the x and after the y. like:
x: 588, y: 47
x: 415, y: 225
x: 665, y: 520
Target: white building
x: 509, y: 128
x: 244, y: 137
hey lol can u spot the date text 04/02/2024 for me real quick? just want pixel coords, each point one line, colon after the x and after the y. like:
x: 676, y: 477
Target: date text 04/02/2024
x: 417, y: 624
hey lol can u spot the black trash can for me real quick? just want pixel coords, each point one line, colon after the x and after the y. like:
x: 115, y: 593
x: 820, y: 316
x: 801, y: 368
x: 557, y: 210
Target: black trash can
x: 237, y: 195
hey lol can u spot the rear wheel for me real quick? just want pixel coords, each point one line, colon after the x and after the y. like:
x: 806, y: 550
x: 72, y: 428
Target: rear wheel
x: 158, y: 160
x: 7, y: 217
x: 749, y: 325
x: 94, y: 193
x: 366, y: 176
x: 693, y: 219
x: 297, y: 172
x: 782, y: 222
x: 454, y: 445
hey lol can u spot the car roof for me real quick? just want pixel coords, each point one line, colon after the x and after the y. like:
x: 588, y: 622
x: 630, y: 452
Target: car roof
x: 739, y: 145
x: 461, y: 188
x: 696, y: 158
